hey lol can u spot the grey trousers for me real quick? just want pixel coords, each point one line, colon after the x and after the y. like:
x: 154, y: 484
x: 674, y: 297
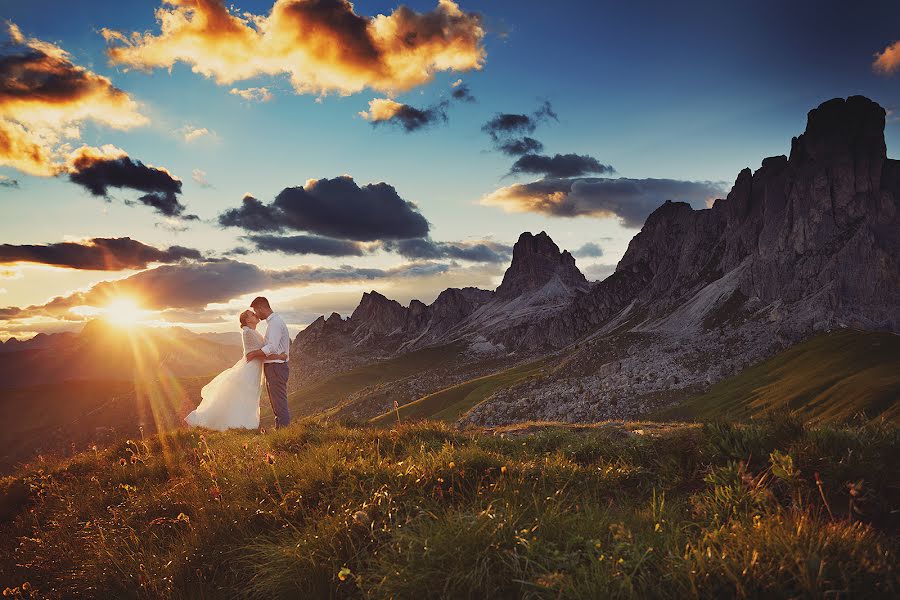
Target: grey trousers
x: 276, y: 385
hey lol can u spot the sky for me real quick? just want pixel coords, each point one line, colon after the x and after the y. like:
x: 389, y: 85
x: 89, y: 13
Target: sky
x: 179, y: 158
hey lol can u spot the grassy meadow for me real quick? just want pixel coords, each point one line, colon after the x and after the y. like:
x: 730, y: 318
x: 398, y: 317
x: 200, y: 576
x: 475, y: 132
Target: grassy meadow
x: 761, y: 510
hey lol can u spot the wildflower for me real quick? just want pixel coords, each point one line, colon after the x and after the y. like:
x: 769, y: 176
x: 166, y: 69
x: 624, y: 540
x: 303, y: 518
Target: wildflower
x: 344, y: 573
x: 452, y: 465
x: 202, y: 438
x: 245, y: 445
x: 26, y: 586
x: 123, y: 462
x: 134, y: 459
x: 503, y: 469
x: 215, y: 492
x: 270, y: 458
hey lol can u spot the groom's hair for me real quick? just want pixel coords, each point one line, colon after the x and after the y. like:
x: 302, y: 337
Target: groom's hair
x: 260, y: 302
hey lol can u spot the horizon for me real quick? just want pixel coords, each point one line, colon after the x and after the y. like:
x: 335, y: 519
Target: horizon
x: 229, y: 177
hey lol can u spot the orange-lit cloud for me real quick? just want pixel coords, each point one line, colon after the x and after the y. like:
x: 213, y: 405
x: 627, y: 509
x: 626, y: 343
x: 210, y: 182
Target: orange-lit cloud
x: 888, y: 60
x: 381, y: 109
x: 44, y: 100
x: 323, y: 46
x: 629, y: 200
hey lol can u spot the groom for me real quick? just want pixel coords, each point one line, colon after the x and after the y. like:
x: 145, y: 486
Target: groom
x: 277, y: 341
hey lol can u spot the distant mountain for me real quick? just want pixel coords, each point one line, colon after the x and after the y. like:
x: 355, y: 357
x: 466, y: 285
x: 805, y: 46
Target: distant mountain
x: 806, y: 244
x: 105, y: 352
x: 41, y: 340
x: 540, y: 282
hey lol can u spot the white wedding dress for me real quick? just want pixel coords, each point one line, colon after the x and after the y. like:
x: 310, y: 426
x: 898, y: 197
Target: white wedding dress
x: 231, y: 400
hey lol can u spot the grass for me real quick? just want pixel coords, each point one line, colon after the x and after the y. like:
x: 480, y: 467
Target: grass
x: 451, y: 403
x: 827, y: 379
x: 772, y: 509
x: 326, y: 394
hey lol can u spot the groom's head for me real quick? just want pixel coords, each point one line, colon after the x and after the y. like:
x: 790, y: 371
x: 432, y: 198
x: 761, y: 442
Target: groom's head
x: 260, y: 306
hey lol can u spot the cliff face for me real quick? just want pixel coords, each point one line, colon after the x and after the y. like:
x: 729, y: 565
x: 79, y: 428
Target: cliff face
x: 818, y: 230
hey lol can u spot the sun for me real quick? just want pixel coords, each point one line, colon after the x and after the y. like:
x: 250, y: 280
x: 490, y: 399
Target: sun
x: 123, y: 312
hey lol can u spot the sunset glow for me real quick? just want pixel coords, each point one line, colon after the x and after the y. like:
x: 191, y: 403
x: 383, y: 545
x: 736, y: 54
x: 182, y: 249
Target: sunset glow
x: 124, y: 312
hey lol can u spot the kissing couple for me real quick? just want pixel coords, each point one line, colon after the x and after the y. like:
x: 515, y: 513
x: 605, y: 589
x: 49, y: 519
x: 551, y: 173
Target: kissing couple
x: 231, y: 400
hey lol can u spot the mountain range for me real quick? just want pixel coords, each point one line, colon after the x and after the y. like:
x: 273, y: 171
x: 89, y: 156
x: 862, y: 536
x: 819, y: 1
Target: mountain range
x: 806, y: 244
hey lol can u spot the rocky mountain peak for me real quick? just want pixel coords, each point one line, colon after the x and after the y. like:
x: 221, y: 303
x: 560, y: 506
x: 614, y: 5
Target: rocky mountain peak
x: 536, y: 260
x: 842, y: 127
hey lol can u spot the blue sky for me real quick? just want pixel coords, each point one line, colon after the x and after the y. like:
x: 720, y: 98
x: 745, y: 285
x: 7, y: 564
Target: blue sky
x: 690, y: 91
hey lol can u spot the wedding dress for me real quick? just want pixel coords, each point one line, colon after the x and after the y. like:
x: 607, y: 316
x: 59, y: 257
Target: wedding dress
x: 232, y: 398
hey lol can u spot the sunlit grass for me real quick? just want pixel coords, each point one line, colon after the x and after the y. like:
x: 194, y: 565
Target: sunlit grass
x: 428, y: 511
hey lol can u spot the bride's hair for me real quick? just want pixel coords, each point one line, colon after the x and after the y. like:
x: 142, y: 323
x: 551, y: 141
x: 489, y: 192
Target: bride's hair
x: 244, y: 316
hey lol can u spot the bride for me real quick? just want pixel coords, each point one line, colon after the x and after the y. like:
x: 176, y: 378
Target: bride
x: 232, y: 398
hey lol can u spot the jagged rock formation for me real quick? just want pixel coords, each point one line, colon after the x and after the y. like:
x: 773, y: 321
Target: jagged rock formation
x: 805, y: 244
x: 540, y: 282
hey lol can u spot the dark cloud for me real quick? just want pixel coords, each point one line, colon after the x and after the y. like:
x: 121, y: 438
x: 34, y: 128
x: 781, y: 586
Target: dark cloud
x: 306, y: 244
x: 252, y: 215
x: 519, y: 146
x: 195, y: 285
x: 505, y: 125
x: 560, y: 165
x: 409, y: 117
x: 98, y: 172
x: 589, y: 250
x: 336, y: 208
x: 101, y: 254
x: 484, y: 251
x: 462, y: 93
x: 631, y: 200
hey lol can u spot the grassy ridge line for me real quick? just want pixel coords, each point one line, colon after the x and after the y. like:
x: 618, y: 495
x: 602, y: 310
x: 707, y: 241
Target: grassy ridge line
x: 451, y: 403
x: 829, y: 378
x: 428, y: 511
x: 326, y: 394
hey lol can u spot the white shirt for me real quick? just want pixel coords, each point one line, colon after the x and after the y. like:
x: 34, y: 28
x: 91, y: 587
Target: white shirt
x: 277, y: 339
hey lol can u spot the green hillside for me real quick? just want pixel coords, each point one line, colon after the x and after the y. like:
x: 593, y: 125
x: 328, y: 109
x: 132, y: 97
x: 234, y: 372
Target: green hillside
x: 326, y: 394
x: 451, y: 403
x: 829, y: 378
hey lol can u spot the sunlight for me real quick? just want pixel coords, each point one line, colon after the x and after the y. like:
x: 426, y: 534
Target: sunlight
x: 123, y: 312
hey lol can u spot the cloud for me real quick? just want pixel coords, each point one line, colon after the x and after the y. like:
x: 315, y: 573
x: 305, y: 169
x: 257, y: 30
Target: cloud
x: 631, y: 200
x: 324, y: 46
x: 336, y: 208
x: 560, y: 165
x: 196, y: 285
x: 509, y: 131
x: 199, y: 176
x: 192, y: 133
x: 97, y: 170
x: 44, y: 101
x: 519, y: 146
x: 8, y: 182
x: 306, y: 244
x: 588, y: 250
x: 888, y: 60
x: 253, y: 94
x: 410, y: 118
x: 462, y: 92
x: 598, y: 271
x: 484, y: 251
x: 99, y: 254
